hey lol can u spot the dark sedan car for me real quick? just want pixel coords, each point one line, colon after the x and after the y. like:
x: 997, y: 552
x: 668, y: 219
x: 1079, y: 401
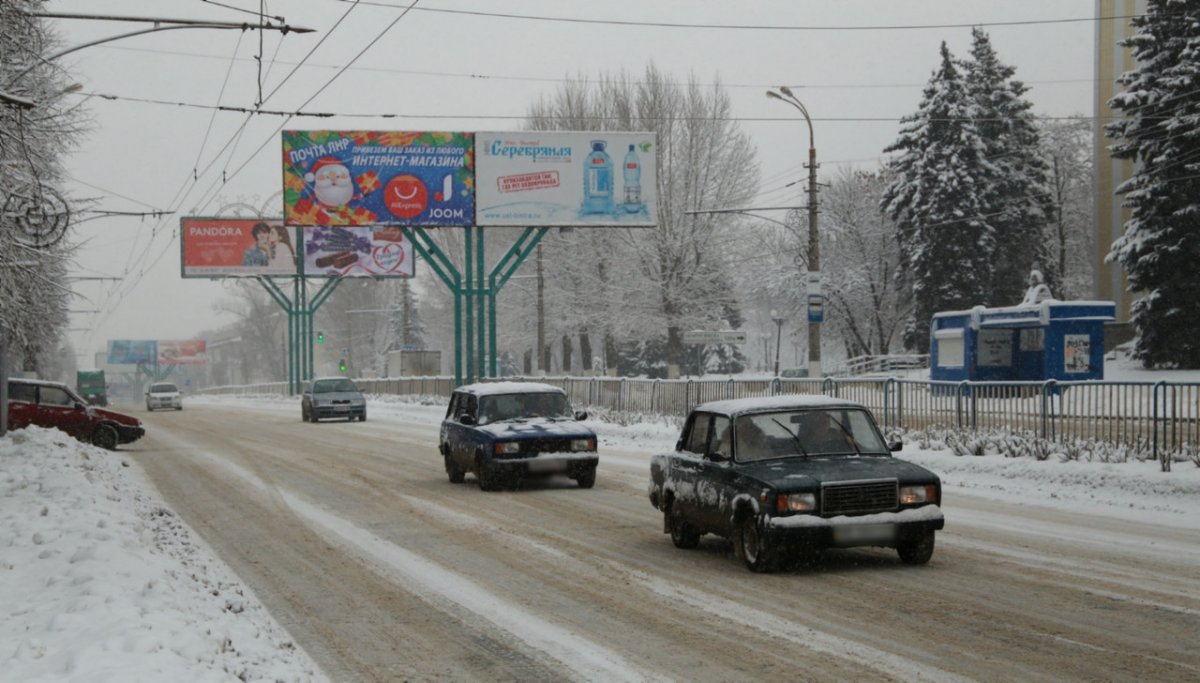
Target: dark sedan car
x: 332, y: 397
x: 790, y: 475
x: 506, y: 431
x: 55, y: 405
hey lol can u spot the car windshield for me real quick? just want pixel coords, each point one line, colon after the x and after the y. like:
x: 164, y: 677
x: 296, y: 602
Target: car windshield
x: 330, y: 386
x: 517, y: 406
x: 163, y: 388
x: 806, y: 433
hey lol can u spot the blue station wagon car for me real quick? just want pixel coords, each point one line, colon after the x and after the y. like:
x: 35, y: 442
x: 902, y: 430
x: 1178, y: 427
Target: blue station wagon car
x: 791, y: 475
x: 506, y: 431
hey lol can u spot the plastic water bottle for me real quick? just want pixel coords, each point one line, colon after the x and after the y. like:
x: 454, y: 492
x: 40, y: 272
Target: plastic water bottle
x: 598, y: 180
x: 633, y: 181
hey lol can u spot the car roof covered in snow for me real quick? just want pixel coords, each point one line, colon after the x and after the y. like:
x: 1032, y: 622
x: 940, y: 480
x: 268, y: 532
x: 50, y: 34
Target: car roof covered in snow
x: 736, y: 406
x: 495, y: 388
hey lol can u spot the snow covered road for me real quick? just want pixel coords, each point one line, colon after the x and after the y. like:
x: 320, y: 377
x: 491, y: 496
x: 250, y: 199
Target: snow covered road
x: 352, y: 537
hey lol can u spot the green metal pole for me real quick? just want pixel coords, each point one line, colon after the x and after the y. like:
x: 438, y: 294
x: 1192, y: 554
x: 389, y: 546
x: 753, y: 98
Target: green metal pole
x: 504, y: 270
x: 481, y: 358
x: 468, y: 266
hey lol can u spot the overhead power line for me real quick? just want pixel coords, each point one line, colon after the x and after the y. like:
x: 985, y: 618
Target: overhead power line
x: 747, y: 27
x: 521, y: 117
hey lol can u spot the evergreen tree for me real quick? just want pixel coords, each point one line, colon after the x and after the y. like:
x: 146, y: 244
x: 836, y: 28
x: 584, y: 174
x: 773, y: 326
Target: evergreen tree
x: 1161, y: 244
x: 1017, y: 199
x: 937, y: 200
x: 408, y: 329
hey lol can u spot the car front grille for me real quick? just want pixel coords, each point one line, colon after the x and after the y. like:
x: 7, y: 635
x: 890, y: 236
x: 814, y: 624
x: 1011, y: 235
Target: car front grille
x: 859, y: 497
x: 536, y: 446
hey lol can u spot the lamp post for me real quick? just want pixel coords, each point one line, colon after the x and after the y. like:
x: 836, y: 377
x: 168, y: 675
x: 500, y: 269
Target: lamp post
x: 778, y: 320
x: 815, y: 303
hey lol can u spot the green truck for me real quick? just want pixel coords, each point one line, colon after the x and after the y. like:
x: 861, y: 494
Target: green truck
x: 90, y: 385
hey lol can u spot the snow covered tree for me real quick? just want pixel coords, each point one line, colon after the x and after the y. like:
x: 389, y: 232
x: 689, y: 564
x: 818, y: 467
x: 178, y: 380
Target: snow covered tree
x: 937, y: 199
x: 861, y: 266
x: 1016, y: 199
x: 36, y: 129
x: 407, y: 325
x: 1160, y: 133
x: 1067, y: 150
x: 644, y: 287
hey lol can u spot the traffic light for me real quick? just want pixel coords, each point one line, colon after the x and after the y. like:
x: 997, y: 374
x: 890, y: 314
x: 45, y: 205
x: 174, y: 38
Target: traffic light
x: 320, y: 337
x: 341, y: 366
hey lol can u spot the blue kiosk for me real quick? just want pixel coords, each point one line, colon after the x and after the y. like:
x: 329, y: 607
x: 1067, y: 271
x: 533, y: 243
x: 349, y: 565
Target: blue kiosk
x: 1038, y: 340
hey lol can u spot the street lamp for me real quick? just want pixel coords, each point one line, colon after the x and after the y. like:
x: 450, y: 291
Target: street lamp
x: 778, y: 335
x: 815, y: 304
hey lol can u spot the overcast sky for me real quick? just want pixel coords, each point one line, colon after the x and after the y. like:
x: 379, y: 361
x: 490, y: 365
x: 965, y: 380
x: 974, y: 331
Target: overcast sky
x: 460, y: 69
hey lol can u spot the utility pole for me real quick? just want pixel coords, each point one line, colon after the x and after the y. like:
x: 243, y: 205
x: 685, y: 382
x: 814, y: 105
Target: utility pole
x: 816, y: 302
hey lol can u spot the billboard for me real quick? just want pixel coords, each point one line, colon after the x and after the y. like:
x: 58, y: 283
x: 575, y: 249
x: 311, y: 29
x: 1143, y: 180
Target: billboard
x: 537, y: 178
x: 372, y: 251
x: 237, y: 247
x: 334, y: 178
x: 131, y: 351
x: 182, y: 352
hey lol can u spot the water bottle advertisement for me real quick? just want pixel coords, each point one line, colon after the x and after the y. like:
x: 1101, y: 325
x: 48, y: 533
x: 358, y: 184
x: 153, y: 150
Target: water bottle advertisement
x: 340, y: 177
x: 538, y: 178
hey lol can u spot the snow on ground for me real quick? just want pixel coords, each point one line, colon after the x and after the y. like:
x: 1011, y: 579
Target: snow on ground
x: 99, y: 581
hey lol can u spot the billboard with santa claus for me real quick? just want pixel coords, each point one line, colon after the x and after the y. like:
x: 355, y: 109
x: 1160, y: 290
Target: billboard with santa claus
x: 237, y: 247
x: 357, y: 251
x: 361, y: 178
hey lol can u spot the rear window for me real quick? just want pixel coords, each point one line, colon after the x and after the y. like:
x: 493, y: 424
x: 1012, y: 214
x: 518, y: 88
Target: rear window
x: 163, y: 388
x: 329, y: 386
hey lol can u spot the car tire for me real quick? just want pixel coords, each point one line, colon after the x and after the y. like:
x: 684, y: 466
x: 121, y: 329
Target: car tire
x: 586, y: 478
x: 149, y: 409
x: 916, y: 550
x: 752, y: 547
x: 105, y: 436
x: 456, y: 475
x: 682, y: 533
x: 178, y: 407
x: 486, y: 475
x: 363, y: 417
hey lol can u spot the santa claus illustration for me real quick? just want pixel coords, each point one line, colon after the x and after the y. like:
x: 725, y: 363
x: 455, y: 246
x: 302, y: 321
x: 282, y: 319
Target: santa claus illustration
x: 331, y: 182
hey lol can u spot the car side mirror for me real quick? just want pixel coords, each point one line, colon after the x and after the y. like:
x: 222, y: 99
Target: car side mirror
x: 679, y: 445
x: 467, y: 419
x: 895, y: 446
x: 581, y: 415
x: 717, y: 456
x: 80, y: 406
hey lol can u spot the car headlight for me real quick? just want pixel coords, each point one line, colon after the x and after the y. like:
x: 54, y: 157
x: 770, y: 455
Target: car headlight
x: 913, y: 495
x: 583, y: 445
x: 508, y: 447
x: 796, y: 502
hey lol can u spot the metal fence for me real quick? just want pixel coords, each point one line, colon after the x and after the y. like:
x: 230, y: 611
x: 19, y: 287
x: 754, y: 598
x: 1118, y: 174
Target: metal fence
x: 1163, y: 417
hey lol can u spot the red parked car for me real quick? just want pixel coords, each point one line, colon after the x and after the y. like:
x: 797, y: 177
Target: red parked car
x: 55, y: 405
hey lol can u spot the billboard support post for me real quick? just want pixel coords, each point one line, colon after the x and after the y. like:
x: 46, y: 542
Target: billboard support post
x: 300, y: 325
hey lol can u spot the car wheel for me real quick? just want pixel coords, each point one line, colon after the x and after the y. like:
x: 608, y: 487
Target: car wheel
x: 105, y: 436
x: 456, y: 475
x: 916, y: 550
x: 149, y: 409
x: 362, y: 417
x: 682, y: 534
x: 587, y: 478
x: 486, y: 475
x: 178, y: 407
x: 753, y: 547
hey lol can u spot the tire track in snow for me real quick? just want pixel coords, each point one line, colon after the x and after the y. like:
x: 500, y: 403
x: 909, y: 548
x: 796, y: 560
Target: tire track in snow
x: 586, y: 659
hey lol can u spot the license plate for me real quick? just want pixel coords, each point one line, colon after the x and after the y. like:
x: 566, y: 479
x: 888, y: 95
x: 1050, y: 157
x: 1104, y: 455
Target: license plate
x: 546, y: 466
x: 864, y: 534
x: 341, y: 409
